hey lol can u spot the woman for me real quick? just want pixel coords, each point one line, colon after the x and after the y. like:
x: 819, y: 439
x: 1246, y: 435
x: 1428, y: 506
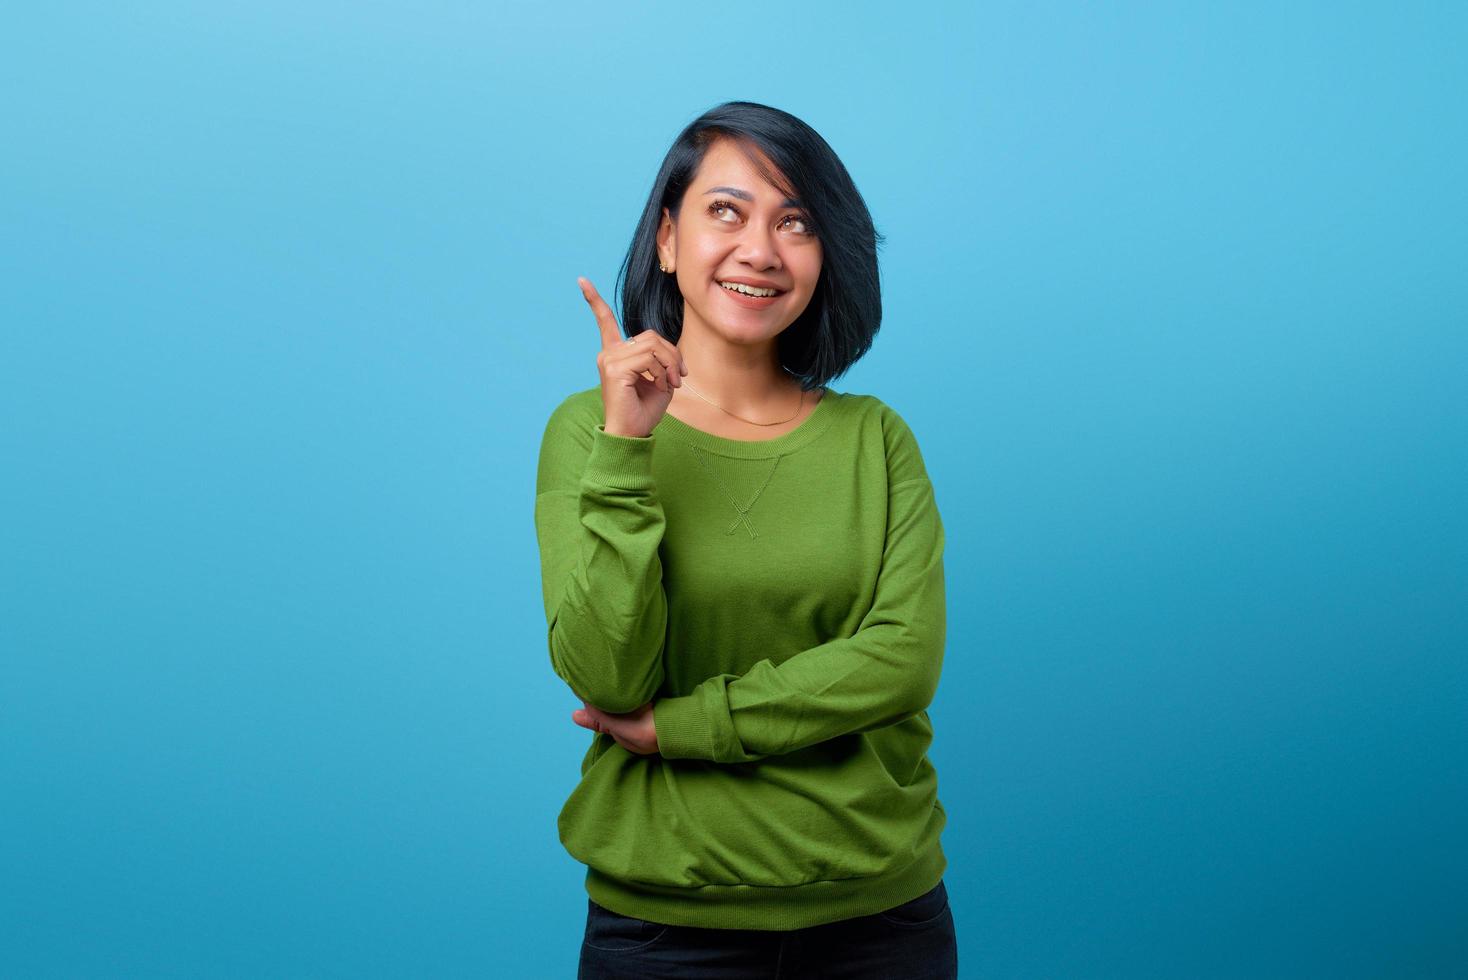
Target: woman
x: 743, y: 584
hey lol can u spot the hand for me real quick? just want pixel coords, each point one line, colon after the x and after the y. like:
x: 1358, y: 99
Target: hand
x: 638, y: 378
x: 633, y: 731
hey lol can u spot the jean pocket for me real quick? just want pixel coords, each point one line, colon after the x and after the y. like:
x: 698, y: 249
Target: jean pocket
x: 922, y: 911
x: 613, y: 932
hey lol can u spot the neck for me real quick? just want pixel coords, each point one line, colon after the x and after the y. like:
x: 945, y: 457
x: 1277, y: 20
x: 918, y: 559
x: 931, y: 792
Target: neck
x: 745, y: 379
x: 742, y: 379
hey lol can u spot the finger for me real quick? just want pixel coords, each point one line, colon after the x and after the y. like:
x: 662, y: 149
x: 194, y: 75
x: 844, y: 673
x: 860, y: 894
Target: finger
x: 624, y: 743
x: 663, y: 361
x: 673, y: 354
x: 678, y: 354
x: 671, y: 357
x: 637, y: 360
x: 611, y: 334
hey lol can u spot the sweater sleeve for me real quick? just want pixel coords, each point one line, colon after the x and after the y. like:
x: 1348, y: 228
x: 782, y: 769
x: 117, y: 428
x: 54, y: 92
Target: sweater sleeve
x: 599, y: 524
x: 886, y: 671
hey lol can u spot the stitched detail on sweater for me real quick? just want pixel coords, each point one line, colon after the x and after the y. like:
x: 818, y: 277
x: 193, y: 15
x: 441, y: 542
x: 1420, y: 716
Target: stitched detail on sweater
x: 741, y: 510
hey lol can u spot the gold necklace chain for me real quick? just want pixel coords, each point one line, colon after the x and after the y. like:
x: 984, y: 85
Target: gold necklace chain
x: 740, y: 417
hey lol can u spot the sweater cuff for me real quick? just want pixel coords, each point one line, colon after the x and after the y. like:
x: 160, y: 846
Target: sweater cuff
x: 621, y: 462
x: 682, y: 727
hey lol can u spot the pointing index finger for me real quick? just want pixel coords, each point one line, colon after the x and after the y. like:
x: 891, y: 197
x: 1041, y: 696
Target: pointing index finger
x: 606, y: 322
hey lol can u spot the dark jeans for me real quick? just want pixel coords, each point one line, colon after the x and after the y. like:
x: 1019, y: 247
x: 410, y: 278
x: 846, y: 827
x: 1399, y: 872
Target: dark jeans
x: 911, y: 941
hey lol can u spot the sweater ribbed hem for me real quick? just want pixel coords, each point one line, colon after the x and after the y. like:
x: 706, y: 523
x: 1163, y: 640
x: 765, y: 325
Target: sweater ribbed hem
x: 773, y: 908
x: 682, y: 727
x: 620, y: 462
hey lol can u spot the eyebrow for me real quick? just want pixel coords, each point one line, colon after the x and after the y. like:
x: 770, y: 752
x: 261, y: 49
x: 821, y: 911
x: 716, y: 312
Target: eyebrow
x: 743, y: 195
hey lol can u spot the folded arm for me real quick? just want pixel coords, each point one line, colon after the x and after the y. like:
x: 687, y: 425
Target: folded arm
x: 887, y: 671
x: 599, y: 524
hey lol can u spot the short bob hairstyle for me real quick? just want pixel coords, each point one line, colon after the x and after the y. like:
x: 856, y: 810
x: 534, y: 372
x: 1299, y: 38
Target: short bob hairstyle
x: 838, y: 326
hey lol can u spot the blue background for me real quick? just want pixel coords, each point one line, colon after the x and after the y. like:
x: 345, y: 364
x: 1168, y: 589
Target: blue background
x: 1175, y: 303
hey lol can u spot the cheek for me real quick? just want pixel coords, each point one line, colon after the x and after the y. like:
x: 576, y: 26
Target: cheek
x: 706, y: 250
x: 811, y: 273
x: 810, y: 258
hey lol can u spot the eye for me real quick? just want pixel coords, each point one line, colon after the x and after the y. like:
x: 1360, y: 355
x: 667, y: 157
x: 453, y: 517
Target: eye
x: 725, y: 205
x: 804, y: 223
x: 721, y: 205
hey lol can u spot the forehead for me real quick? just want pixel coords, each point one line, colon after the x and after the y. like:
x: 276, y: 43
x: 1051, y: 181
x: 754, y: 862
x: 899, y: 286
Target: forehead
x: 728, y: 163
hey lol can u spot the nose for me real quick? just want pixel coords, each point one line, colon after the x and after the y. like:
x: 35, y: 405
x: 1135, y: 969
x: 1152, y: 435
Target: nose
x: 757, y: 248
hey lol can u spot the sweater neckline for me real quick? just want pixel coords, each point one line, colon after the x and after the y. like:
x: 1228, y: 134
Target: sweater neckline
x: 815, y: 423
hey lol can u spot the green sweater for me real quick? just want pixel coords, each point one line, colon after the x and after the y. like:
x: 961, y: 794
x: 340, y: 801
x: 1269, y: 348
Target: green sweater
x: 781, y: 603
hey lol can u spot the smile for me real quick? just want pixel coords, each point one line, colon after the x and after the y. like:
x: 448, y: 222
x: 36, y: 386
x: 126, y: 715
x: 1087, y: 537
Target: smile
x: 739, y: 287
x: 739, y: 296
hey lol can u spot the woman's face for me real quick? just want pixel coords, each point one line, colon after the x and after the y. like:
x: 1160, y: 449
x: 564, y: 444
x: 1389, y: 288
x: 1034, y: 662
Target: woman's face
x: 734, y: 227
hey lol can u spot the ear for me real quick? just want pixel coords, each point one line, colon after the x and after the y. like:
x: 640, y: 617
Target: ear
x: 667, y: 238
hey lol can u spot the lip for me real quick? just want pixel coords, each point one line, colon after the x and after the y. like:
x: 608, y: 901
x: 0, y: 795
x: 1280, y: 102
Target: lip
x: 748, y: 302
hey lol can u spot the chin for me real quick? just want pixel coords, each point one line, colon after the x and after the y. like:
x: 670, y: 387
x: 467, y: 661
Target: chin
x: 751, y: 331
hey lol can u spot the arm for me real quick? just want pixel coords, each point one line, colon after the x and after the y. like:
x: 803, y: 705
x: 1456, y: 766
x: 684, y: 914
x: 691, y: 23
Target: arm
x: 599, y: 524
x: 885, y: 672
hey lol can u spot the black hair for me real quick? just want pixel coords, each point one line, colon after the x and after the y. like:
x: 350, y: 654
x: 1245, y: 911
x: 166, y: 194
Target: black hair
x: 839, y: 324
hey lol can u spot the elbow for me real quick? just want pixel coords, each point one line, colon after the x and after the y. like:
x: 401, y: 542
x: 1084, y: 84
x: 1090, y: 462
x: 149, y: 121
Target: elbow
x: 918, y: 693
x: 614, y: 696
x: 612, y: 704
x: 923, y: 691
x: 927, y: 667
x: 616, y: 685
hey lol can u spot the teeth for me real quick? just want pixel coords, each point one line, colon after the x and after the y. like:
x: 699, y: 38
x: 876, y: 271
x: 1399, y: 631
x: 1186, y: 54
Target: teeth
x: 740, y: 287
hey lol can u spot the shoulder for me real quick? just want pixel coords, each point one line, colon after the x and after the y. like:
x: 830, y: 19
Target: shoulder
x: 578, y: 409
x: 899, y: 442
x: 566, y: 441
x: 574, y: 419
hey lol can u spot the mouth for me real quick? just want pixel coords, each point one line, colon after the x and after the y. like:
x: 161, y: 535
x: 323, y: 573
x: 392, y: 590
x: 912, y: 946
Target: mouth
x: 749, y: 297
